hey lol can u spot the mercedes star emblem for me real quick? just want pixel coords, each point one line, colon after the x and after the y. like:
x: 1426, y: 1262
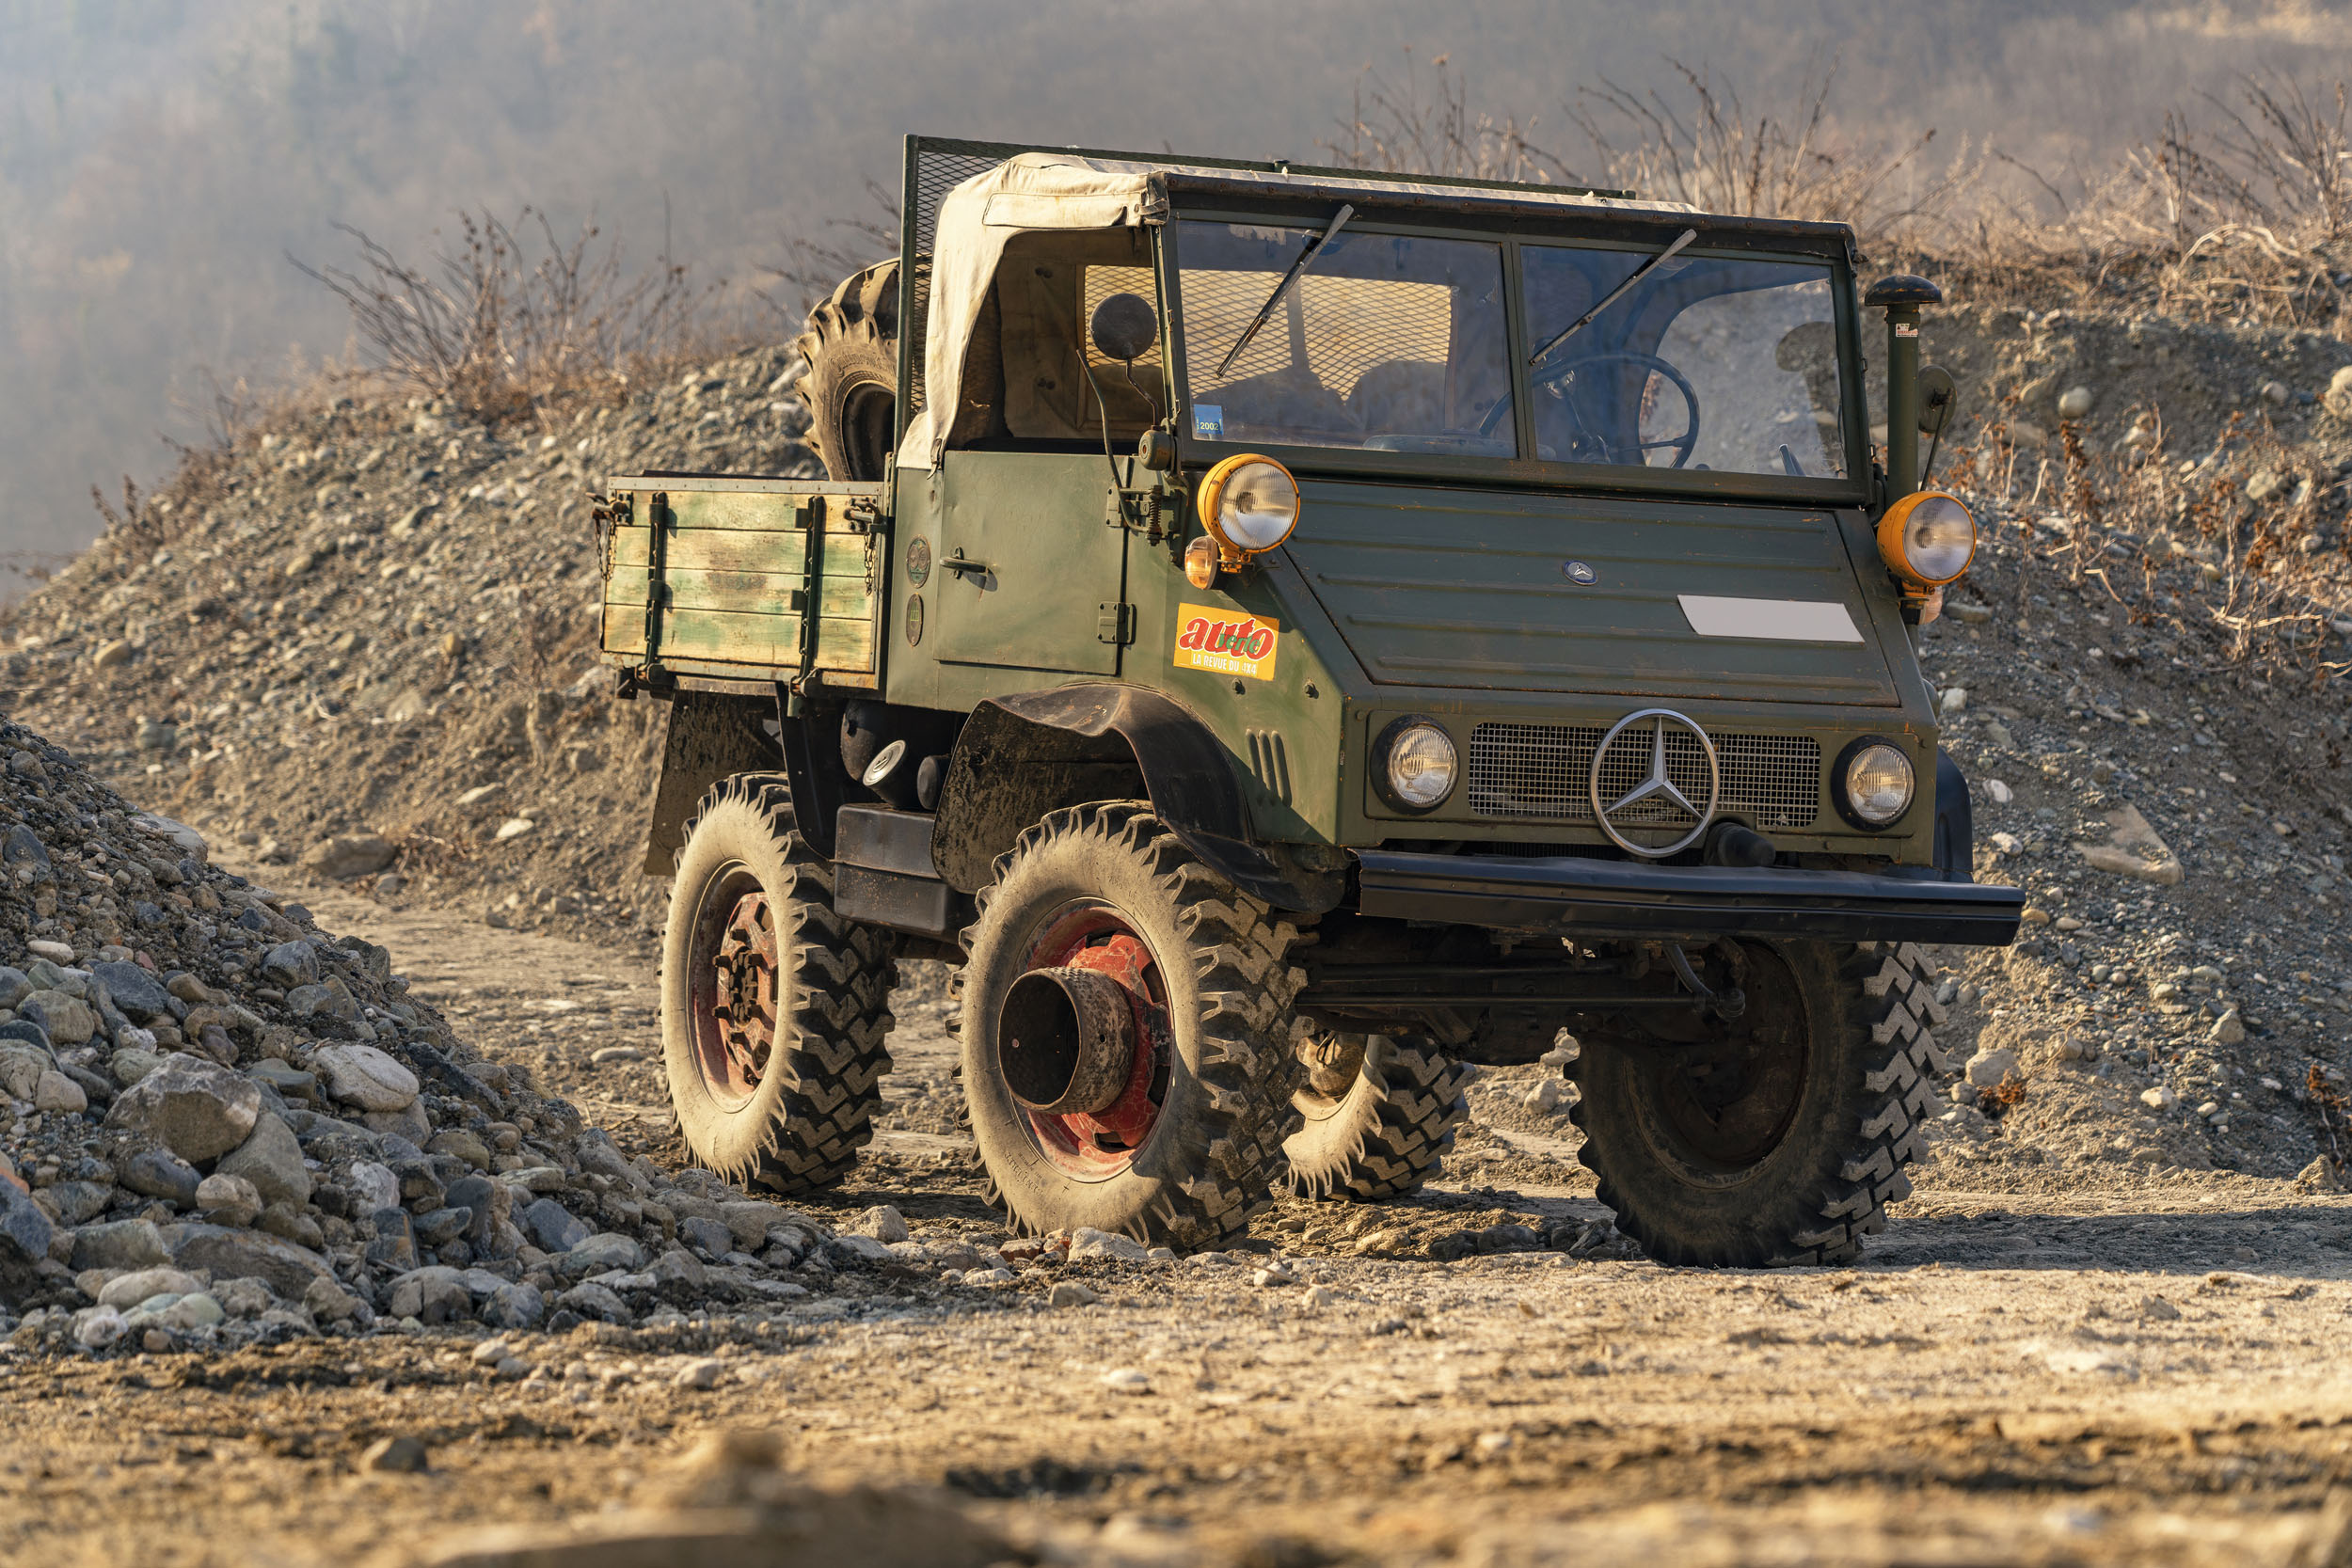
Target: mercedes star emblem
x: 1656, y: 781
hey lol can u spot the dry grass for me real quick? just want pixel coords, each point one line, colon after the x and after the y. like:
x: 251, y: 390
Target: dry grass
x: 513, y: 313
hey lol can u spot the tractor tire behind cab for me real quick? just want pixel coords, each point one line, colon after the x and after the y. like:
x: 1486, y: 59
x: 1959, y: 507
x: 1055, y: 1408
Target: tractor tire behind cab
x: 1781, y: 1139
x: 1192, y: 1147
x: 773, y: 1008
x: 852, y: 388
x: 1379, y: 1115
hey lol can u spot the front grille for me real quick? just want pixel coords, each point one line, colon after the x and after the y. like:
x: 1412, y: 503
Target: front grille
x: 1541, y: 770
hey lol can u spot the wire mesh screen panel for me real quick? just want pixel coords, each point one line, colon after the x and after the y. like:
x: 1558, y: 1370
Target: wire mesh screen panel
x: 934, y: 171
x: 1541, y: 770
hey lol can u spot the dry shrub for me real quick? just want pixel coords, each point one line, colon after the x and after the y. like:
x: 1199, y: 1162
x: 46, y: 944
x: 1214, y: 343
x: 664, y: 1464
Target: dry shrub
x: 513, y: 313
x: 2005, y: 1095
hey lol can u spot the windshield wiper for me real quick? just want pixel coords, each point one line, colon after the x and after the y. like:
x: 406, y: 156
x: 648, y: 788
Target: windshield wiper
x: 1314, y: 248
x: 1610, y: 298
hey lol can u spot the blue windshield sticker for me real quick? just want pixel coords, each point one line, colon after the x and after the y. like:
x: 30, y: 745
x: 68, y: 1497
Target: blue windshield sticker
x: 1208, y: 422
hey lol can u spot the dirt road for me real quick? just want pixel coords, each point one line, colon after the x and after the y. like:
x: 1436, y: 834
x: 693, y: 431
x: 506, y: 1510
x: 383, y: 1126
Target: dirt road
x: 2005, y: 1379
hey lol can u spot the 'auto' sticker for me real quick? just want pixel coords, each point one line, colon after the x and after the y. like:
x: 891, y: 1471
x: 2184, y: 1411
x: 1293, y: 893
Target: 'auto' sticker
x: 1225, y: 644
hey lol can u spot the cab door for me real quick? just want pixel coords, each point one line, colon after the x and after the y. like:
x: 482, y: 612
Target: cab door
x: 1030, y: 574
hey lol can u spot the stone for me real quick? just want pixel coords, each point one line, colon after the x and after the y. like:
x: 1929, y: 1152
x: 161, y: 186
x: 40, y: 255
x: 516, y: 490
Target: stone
x: 55, y: 1092
x: 183, y: 838
x: 2275, y: 393
x: 122, y: 1244
x: 708, y: 1235
x: 27, y: 1231
x: 229, y: 1199
x: 440, y: 1226
x: 882, y: 1222
x: 245, y: 1298
x: 605, y: 1054
x: 198, y: 1109
x: 290, y: 1082
x: 552, y: 1227
x: 702, y: 1372
x: 271, y: 1160
x: 2229, y: 1029
x: 358, y: 855
x: 405, y: 1456
x: 98, y: 1327
x: 515, y: 827
x: 679, y: 1267
x: 23, y: 846
x: 129, y: 1289
x: 592, y: 1300
x: 129, y: 1066
x: 606, y: 1250
x: 232, y: 1254
x: 111, y: 654
x: 15, y: 985
x: 327, y: 1301
x: 2320, y: 1176
x: 1988, y: 1068
x: 2074, y: 402
x: 73, y: 1202
x: 1086, y: 1241
x: 67, y: 1020
x: 134, y: 990
x: 197, y: 1309
x: 373, y: 1186
x: 1126, y: 1379
x: 462, y: 1145
x: 1546, y: 1096
x: 430, y: 1295
x: 748, y: 1223
x: 409, y: 1124
x: 291, y: 964
x: 2159, y: 1099
x: 519, y: 1306
x: 364, y: 1076
x: 2133, y: 848
x: 1069, y: 1292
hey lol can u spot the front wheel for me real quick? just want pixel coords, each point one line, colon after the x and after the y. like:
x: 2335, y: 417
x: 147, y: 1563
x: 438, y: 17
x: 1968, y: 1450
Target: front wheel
x: 1777, y: 1138
x: 1126, y: 1034
x: 1377, y: 1115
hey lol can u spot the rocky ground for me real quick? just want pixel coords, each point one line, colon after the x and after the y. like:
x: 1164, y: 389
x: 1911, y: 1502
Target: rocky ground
x: 394, y: 1219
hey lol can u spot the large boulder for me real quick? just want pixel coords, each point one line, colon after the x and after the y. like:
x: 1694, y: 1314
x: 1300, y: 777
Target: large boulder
x: 122, y: 1244
x: 234, y: 1253
x: 198, y: 1109
x: 363, y: 1076
x: 271, y: 1159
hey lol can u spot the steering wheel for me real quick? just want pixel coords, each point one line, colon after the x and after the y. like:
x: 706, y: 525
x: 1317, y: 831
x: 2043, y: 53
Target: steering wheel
x: 1591, y: 447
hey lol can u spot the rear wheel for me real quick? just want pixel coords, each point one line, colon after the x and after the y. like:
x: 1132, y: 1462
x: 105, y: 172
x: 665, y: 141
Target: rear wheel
x: 1126, y: 1034
x: 851, y: 388
x: 1378, y: 1113
x: 1777, y: 1138
x: 773, y: 1008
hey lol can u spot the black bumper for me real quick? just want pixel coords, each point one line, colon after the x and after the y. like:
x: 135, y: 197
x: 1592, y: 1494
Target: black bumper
x: 1615, y: 898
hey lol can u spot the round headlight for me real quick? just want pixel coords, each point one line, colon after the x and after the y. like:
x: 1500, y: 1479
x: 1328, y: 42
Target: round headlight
x: 1417, y: 764
x: 1874, y: 783
x: 1928, y: 538
x: 1249, y: 503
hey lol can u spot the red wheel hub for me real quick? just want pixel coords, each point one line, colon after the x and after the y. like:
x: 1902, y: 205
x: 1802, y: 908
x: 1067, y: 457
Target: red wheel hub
x: 1103, y: 1143
x: 735, y: 1027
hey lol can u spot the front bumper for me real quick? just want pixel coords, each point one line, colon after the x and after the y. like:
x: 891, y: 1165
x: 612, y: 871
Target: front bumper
x: 1614, y: 898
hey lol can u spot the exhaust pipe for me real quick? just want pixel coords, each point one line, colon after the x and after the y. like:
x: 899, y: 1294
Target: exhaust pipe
x: 1066, y: 1041
x: 1902, y: 296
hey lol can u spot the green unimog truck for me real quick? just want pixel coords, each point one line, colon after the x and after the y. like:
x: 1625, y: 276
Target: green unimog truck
x: 1284, y: 635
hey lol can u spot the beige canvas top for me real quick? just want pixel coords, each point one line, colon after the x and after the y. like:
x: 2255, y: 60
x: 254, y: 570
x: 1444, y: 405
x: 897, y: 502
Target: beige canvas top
x: 1042, y: 190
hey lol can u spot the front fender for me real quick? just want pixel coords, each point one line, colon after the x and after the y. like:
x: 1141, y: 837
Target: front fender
x: 1021, y: 756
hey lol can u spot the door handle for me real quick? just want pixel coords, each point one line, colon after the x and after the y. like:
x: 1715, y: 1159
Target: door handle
x: 958, y: 562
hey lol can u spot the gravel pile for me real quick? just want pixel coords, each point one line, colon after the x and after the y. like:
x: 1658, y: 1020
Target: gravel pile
x: 363, y: 639
x: 221, y: 1125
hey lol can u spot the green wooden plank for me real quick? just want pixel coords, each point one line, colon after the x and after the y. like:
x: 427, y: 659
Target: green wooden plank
x: 749, y: 593
x: 625, y: 628
x: 736, y: 512
x: 770, y: 640
x: 712, y: 550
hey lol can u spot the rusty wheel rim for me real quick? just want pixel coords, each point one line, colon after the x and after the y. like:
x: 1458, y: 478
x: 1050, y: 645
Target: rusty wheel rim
x: 734, y: 983
x: 1097, y: 1146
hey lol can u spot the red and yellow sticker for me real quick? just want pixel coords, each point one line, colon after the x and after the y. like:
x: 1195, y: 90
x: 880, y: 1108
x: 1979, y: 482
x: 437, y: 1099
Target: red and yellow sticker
x: 1224, y: 643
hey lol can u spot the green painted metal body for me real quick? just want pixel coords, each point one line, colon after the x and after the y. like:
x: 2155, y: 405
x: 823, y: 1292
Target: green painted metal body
x: 1422, y: 585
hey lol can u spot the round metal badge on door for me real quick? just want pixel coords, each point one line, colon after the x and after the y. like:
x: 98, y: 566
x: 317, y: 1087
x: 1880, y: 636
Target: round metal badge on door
x: 914, y: 619
x: 918, y: 560
x: 1579, y: 573
x: 1652, y: 780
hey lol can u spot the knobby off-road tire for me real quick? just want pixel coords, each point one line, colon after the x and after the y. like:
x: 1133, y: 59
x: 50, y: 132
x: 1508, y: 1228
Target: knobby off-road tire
x: 796, y: 1123
x: 1088, y: 883
x: 851, y: 388
x: 1378, y: 1113
x: 1791, y: 1157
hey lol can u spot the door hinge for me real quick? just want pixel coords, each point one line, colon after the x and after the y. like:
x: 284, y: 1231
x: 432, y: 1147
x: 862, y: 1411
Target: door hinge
x: 1138, y: 511
x: 1116, y: 624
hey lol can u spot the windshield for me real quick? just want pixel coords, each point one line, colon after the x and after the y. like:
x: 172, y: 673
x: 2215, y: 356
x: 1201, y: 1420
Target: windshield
x: 1703, y: 363
x: 1384, y: 342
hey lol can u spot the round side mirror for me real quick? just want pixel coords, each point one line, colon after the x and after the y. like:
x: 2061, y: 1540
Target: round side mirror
x: 1938, y: 395
x: 1124, y: 327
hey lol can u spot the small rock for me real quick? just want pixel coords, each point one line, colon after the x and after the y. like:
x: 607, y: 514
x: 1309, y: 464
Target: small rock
x: 1546, y: 1096
x: 129, y: 1289
x: 592, y: 1300
x: 364, y: 1076
x: 552, y: 1227
x: 53, y: 1092
x: 291, y: 964
x: 271, y: 1161
x: 1086, y: 1241
x: 1069, y: 1292
x: 329, y: 1302
x: 882, y: 1222
x: 2159, y: 1099
x: 1126, y: 1379
x: 1274, y: 1276
x: 284, y: 1266
x: 1988, y: 1068
x: 349, y: 855
x: 2153, y: 1309
x: 2277, y: 394
x: 111, y: 655
x: 2320, y: 1176
x: 515, y: 827
x: 134, y: 990
x: 398, y: 1455
x: 229, y: 1199
x: 198, y: 1109
x: 1998, y: 793
x: 122, y: 1244
x: 375, y: 1186
x: 702, y: 1373
x: 2229, y: 1029
x: 615, y: 1054
x: 2074, y: 402
x: 520, y: 1306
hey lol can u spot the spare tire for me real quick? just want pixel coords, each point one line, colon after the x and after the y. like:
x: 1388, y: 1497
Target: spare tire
x: 851, y: 388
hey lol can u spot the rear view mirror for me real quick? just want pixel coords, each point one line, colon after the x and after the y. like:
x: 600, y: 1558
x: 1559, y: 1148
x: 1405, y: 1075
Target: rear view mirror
x: 1124, y: 327
x: 1937, y: 394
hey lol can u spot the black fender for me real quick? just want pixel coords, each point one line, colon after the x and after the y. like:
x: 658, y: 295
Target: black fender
x: 710, y: 736
x: 1955, y: 821
x: 1021, y: 756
